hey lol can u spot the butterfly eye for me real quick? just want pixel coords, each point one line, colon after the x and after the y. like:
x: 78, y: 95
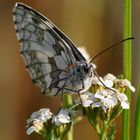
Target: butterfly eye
x: 86, y: 69
x: 78, y: 69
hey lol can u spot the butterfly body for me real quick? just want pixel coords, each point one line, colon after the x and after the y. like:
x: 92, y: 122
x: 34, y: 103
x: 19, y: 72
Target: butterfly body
x: 53, y: 61
x: 79, y: 77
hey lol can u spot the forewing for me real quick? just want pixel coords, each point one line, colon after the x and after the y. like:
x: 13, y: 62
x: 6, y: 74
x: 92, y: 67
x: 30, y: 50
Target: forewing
x: 78, y: 56
x: 45, y: 52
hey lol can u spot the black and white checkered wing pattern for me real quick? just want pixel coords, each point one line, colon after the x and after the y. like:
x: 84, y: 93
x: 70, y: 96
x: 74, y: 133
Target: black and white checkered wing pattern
x: 44, y: 51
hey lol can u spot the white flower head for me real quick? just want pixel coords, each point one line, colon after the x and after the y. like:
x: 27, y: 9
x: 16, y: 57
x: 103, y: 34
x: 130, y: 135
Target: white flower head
x: 43, y: 115
x: 123, y: 100
x: 104, y: 93
x: 108, y: 103
x: 124, y: 83
x: 110, y: 76
x: 36, y: 122
x: 87, y: 99
x: 106, y: 81
x: 37, y: 127
x: 98, y: 81
x: 62, y: 117
x: 109, y: 80
x: 107, y: 100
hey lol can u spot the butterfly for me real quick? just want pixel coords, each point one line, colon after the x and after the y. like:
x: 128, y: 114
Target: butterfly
x: 52, y: 59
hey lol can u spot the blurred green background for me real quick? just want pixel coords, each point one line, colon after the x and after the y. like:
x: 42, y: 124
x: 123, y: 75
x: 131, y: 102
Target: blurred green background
x: 90, y: 23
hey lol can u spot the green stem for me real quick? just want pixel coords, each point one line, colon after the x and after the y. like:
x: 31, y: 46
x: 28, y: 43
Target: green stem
x: 70, y: 134
x: 98, y: 129
x: 127, y: 63
x: 68, y: 103
x: 103, y: 134
x: 96, y: 126
x: 136, y: 135
x: 49, y: 136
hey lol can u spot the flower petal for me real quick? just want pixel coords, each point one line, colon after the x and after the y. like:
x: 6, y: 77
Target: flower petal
x: 30, y: 130
x: 125, y: 105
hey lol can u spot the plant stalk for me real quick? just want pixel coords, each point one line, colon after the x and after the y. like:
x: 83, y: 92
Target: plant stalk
x: 68, y: 103
x: 136, y: 135
x: 127, y: 61
x: 103, y: 134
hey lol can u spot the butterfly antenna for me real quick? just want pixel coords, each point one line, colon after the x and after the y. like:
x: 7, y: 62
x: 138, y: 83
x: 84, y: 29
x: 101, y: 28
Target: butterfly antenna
x: 116, y: 44
x: 103, y: 82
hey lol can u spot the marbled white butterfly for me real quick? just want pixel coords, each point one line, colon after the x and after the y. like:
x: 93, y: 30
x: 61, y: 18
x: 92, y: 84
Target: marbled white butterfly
x: 51, y: 58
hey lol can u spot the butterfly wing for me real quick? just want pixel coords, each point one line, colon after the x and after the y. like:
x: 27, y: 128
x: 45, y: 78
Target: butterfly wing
x: 46, y: 51
x: 78, y: 56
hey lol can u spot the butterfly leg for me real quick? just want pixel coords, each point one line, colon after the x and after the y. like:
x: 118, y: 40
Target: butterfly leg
x: 77, y: 91
x: 62, y: 97
x: 81, y: 99
x: 61, y: 102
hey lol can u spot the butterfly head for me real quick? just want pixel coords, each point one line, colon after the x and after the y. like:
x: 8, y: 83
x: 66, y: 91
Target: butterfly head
x: 85, y: 74
x: 85, y: 69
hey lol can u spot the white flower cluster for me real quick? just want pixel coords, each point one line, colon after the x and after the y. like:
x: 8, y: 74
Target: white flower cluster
x: 62, y: 117
x: 41, y: 115
x: 109, y: 96
x: 36, y: 122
